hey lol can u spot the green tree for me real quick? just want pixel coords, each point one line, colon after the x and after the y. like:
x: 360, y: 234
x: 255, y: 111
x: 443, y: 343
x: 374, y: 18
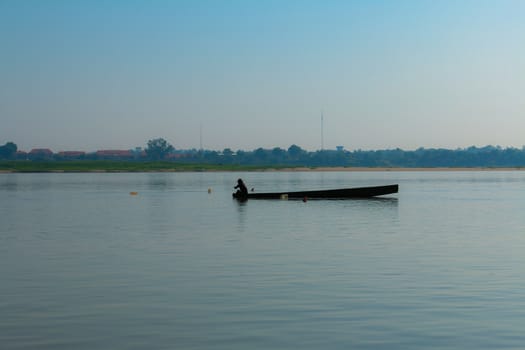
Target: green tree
x: 8, y: 150
x: 295, y: 151
x: 260, y: 155
x: 158, y: 149
x: 278, y: 152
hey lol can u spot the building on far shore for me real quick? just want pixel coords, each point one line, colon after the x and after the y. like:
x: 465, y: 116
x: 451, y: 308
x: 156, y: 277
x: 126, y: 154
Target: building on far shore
x: 21, y: 155
x: 40, y: 154
x: 71, y: 154
x: 114, y: 154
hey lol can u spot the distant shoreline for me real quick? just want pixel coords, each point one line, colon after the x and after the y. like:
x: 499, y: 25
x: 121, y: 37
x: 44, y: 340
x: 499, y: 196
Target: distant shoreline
x: 219, y: 168
x: 381, y: 169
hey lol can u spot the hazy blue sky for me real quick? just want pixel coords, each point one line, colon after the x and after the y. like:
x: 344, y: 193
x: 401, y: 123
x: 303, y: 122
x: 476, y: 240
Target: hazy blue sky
x: 88, y: 75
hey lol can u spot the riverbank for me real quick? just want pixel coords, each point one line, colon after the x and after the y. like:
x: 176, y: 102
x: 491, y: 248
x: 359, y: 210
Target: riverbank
x: 373, y: 169
x: 89, y: 166
x: 102, y: 166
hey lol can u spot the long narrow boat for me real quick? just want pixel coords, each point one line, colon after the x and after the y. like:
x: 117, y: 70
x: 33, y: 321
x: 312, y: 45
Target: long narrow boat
x: 342, y: 193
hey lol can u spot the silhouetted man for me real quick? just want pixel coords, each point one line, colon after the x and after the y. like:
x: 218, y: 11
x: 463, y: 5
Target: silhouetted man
x: 242, y: 191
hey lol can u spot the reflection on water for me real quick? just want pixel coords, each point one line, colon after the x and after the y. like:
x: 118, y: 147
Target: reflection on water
x: 9, y: 182
x: 85, y: 265
x: 160, y: 181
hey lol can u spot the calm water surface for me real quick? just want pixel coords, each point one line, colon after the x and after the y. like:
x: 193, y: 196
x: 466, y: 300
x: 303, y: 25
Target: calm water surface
x: 86, y: 265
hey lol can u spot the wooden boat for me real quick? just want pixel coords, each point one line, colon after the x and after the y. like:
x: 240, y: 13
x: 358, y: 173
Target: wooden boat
x: 342, y: 193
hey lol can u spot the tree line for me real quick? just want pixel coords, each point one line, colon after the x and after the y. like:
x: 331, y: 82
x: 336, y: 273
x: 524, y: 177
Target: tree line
x: 160, y: 149
x: 488, y: 156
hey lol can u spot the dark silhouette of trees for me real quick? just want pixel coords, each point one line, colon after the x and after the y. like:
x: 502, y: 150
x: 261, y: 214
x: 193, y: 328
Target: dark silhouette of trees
x: 227, y: 153
x: 158, y: 149
x: 260, y: 155
x: 488, y: 156
x: 8, y: 151
x: 278, y: 153
x: 295, y: 152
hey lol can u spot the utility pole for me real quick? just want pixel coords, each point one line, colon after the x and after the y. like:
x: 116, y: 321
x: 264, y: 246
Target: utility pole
x: 322, y: 131
x: 200, y: 138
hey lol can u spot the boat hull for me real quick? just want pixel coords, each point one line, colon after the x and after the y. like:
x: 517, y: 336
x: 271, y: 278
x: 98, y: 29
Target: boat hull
x: 342, y: 193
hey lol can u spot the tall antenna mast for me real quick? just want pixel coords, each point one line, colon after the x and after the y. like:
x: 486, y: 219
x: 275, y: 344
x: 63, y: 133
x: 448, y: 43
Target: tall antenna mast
x: 322, y: 131
x: 200, y: 137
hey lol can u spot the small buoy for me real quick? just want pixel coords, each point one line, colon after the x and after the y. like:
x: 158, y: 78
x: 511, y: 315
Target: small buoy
x: 133, y: 193
x: 305, y: 199
x: 284, y: 197
x: 209, y: 190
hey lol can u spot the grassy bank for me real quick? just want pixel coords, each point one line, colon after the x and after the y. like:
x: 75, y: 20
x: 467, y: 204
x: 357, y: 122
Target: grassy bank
x: 86, y: 166
x: 116, y: 166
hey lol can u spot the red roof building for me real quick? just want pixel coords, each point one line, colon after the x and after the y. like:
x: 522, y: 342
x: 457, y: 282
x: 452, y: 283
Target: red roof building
x: 71, y: 154
x: 41, y: 152
x: 114, y: 154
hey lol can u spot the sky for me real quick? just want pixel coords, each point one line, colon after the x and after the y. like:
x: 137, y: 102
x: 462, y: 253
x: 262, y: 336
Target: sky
x: 243, y: 74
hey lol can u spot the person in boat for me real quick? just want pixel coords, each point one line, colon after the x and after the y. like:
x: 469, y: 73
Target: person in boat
x: 242, y: 190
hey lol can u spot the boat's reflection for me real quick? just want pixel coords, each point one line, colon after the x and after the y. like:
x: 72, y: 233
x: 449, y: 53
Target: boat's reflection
x: 387, y: 201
